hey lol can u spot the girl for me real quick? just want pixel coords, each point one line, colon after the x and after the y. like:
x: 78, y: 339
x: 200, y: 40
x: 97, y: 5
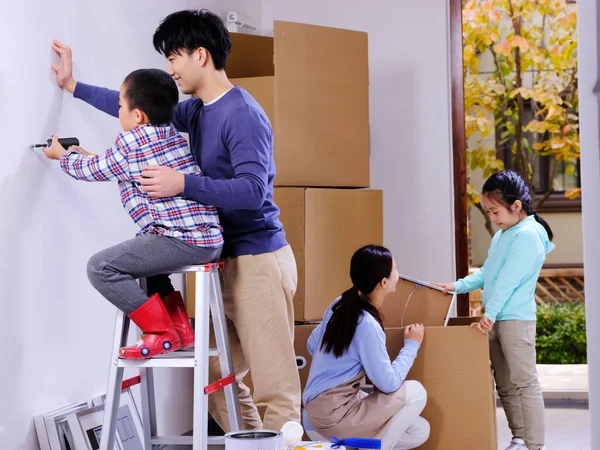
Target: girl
x: 350, y: 342
x: 508, y: 279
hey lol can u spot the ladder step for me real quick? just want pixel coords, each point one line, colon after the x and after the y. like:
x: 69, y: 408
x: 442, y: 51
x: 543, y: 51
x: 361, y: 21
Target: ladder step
x: 173, y: 359
x: 184, y: 440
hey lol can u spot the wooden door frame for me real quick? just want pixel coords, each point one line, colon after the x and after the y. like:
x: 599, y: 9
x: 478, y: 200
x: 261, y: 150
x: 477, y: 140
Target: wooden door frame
x: 461, y: 239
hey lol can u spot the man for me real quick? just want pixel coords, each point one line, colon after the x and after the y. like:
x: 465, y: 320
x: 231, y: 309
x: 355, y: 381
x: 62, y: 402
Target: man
x: 232, y: 142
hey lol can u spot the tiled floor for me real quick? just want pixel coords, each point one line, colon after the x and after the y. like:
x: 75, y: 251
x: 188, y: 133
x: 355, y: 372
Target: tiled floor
x: 567, y: 426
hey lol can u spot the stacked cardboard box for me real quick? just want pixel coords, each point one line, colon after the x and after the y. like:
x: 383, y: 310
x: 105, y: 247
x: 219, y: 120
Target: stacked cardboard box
x: 313, y: 83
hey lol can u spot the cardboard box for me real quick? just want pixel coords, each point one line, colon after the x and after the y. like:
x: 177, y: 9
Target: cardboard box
x: 325, y: 227
x: 313, y: 83
x: 303, y: 358
x: 416, y: 300
x: 453, y: 364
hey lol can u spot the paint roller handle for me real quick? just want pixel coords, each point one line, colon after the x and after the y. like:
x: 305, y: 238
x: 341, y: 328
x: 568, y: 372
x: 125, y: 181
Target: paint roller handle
x: 356, y: 443
x: 65, y: 142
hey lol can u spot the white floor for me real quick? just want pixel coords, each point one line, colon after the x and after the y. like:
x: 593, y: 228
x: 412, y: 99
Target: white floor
x: 564, y: 381
x: 567, y: 426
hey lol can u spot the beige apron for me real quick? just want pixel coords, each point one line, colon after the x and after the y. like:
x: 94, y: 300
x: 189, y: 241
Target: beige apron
x: 347, y: 412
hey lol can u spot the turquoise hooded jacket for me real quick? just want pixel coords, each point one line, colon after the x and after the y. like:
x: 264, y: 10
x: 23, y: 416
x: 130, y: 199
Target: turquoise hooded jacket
x: 510, y: 272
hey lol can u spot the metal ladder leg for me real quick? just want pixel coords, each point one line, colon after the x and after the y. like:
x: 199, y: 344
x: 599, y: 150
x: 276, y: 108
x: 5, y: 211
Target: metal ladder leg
x: 148, y: 396
x: 148, y: 406
x: 225, y: 360
x: 115, y: 379
x: 201, y: 354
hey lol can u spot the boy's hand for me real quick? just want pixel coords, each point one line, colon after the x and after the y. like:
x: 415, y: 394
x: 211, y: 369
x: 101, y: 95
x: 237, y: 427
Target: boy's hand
x: 485, y: 325
x: 415, y: 332
x: 55, y: 151
x: 162, y: 181
x: 64, y: 68
x: 446, y: 287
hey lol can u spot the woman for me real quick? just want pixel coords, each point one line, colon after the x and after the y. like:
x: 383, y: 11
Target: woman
x: 349, y: 343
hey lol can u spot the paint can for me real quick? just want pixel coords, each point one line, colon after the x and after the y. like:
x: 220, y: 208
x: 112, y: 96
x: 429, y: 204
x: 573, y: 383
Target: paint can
x: 254, y: 440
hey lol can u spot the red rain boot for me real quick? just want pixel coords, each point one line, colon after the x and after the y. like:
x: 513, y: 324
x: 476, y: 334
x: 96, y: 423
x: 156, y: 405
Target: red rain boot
x: 176, y: 308
x: 159, y: 335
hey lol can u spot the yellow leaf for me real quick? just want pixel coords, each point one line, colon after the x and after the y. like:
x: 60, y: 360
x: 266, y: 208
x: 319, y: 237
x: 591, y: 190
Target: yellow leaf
x: 519, y: 41
x: 553, y: 111
x: 556, y: 143
x: 539, y: 146
x: 503, y: 48
x: 494, y: 15
x: 572, y: 194
x: 516, y: 92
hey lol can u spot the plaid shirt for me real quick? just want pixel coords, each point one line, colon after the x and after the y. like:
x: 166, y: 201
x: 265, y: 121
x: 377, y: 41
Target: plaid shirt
x: 132, y: 152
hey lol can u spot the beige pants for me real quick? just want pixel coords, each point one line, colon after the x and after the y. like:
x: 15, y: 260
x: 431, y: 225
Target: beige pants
x: 257, y: 293
x: 512, y: 351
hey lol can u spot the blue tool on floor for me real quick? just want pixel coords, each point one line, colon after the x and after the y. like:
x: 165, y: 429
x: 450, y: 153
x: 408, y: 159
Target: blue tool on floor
x: 356, y: 443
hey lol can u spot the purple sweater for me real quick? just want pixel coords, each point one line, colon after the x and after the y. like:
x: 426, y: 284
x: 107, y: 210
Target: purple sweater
x: 232, y: 142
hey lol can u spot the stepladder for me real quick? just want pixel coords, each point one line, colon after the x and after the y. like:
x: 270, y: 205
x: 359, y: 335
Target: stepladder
x: 209, y: 307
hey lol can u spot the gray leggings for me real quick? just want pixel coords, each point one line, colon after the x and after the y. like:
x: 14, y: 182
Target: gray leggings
x: 113, y: 271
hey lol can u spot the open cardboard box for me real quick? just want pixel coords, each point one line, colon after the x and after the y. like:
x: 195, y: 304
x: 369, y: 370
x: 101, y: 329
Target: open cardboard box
x: 313, y: 83
x: 416, y: 300
x: 452, y: 364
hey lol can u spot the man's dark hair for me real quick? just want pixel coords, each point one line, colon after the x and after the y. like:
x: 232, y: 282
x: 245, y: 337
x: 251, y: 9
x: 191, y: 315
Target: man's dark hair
x: 154, y: 92
x: 191, y: 29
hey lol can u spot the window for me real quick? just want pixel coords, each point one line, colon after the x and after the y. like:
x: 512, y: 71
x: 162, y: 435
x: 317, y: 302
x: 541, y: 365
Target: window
x: 543, y: 168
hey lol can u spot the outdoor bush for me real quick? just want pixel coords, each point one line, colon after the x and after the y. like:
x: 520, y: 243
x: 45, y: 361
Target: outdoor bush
x: 561, y: 337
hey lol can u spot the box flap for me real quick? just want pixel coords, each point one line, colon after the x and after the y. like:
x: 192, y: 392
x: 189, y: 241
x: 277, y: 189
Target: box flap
x: 416, y: 302
x: 250, y: 56
x: 322, y: 83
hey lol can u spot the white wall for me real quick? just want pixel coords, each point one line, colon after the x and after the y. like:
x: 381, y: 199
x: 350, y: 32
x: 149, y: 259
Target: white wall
x: 589, y: 78
x: 56, y: 329
x: 410, y: 119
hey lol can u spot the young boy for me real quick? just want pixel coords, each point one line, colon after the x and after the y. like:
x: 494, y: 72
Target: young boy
x: 174, y: 232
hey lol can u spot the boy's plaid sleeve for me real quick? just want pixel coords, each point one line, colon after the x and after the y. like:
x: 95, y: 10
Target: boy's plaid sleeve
x: 112, y: 165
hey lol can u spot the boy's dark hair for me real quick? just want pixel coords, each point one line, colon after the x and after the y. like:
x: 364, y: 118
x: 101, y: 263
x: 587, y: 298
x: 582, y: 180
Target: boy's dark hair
x: 507, y: 187
x: 154, y: 92
x: 191, y: 29
x: 368, y: 266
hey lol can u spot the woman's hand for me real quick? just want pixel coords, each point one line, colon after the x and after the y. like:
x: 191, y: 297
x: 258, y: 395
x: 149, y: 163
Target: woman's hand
x: 414, y: 332
x: 446, y: 287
